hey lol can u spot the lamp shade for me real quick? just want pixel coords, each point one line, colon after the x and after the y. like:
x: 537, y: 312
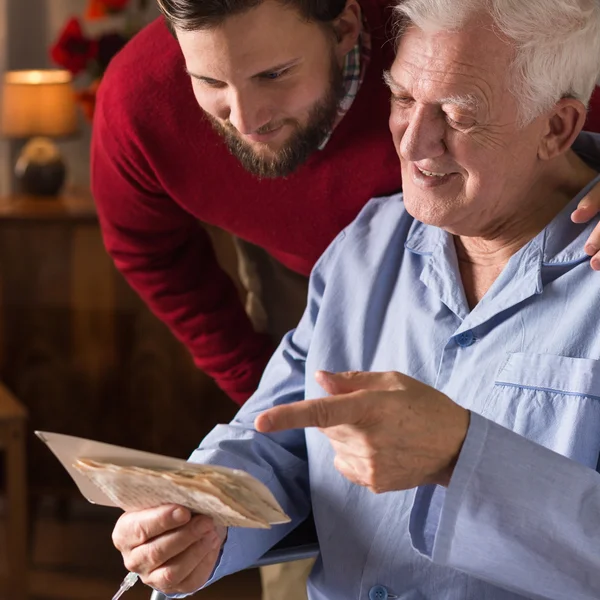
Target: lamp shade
x: 38, y: 103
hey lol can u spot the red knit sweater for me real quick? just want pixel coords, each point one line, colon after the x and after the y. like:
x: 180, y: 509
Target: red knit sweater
x: 158, y: 168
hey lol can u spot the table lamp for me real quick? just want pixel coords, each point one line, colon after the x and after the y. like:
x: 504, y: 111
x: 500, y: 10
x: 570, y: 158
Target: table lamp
x: 38, y: 106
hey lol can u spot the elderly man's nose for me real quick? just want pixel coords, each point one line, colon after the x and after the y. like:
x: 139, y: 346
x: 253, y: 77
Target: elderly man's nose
x: 423, y: 138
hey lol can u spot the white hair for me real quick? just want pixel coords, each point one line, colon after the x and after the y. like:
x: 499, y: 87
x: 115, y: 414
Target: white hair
x: 557, y: 43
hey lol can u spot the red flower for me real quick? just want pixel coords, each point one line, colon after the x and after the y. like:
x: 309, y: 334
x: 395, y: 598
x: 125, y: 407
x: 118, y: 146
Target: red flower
x: 73, y: 50
x: 98, y: 9
x: 95, y: 10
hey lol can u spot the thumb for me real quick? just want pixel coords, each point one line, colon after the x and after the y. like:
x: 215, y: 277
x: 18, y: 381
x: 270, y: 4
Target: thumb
x: 352, y: 381
x: 586, y: 210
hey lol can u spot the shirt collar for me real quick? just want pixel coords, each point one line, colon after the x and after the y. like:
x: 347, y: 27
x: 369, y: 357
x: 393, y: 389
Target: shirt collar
x: 561, y: 242
x: 353, y: 74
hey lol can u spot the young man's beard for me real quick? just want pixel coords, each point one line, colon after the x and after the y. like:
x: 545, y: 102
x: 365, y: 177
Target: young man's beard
x: 303, y: 142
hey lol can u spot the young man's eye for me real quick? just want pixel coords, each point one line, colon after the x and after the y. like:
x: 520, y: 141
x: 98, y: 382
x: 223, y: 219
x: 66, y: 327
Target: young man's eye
x: 213, y: 83
x: 274, y: 74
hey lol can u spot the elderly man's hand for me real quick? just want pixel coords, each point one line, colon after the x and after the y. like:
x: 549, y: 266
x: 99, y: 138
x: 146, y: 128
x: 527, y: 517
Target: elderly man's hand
x: 171, y: 550
x: 389, y: 431
x: 587, y: 209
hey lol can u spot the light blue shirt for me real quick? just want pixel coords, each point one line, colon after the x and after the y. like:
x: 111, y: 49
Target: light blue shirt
x: 521, y: 516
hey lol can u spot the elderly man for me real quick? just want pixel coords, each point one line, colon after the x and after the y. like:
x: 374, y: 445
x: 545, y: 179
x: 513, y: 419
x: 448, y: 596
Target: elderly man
x: 457, y: 364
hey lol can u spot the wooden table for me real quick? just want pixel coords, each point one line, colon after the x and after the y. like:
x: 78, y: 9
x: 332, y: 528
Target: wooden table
x: 12, y: 444
x: 75, y: 207
x: 81, y: 351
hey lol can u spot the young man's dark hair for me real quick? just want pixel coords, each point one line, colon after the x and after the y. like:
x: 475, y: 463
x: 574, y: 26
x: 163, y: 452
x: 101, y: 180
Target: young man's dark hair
x: 192, y: 15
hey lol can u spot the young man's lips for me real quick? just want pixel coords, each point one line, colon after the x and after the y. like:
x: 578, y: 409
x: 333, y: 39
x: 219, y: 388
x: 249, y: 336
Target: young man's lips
x: 263, y: 137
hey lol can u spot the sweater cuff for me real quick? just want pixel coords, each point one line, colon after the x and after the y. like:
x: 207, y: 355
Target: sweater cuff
x: 240, y: 383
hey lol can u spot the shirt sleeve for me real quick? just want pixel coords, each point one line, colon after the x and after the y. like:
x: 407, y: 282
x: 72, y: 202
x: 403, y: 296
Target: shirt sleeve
x: 278, y: 460
x: 167, y: 258
x: 516, y: 515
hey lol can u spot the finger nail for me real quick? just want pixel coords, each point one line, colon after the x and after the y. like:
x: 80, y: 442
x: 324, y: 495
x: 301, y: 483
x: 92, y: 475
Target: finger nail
x: 265, y: 422
x: 596, y: 264
x: 180, y: 516
x: 324, y: 374
x: 590, y: 249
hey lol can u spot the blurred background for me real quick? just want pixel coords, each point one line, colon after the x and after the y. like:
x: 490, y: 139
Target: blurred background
x: 79, y: 353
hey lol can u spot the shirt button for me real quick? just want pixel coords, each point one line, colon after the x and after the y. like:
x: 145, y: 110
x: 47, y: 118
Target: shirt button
x: 465, y: 339
x: 378, y: 592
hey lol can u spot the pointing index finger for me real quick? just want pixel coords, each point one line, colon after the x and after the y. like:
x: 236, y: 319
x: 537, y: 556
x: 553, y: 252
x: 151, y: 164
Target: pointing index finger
x: 322, y: 412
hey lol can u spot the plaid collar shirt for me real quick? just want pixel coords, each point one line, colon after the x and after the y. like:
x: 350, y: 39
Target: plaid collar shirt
x: 355, y: 67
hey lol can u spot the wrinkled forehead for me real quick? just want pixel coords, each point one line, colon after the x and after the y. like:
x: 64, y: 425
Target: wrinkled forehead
x: 473, y: 61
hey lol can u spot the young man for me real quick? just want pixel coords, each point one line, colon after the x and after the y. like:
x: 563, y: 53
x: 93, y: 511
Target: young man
x: 267, y: 120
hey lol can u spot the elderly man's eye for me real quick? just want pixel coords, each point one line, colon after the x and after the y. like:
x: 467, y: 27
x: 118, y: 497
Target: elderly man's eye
x: 402, y: 100
x: 463, y: 124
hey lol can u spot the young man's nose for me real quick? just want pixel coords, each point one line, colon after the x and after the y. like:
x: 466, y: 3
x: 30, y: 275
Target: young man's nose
x: 247, y: 113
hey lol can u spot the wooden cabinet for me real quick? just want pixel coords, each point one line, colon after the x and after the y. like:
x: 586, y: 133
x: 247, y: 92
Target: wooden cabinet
x: 80, y: 349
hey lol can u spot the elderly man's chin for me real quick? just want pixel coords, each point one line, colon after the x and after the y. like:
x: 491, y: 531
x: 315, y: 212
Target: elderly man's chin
x: 434, y: 202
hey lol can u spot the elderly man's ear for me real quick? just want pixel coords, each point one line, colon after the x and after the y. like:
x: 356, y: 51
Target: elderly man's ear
x: 562, y: 127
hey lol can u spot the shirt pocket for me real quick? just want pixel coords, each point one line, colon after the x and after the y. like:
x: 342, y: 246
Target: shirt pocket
x: 552, y: 400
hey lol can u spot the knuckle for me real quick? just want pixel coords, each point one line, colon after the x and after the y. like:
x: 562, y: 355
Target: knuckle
x: 372, y: 454
x: 396, y: 379
x: 370, y: 472
x: 377, y: 488
x: 130, y: 564
x: 158, y: 582
x: 374, y: 473
x: 222, y: 531
x: 365, y: 443
x: 363, y: 438
x: 321, y: 413
x: 169, y: 578
x: 138, y: 531
x: 121, y: 533
x: 340, y: 465
x: 117, y: 540
x: 154, y: 557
